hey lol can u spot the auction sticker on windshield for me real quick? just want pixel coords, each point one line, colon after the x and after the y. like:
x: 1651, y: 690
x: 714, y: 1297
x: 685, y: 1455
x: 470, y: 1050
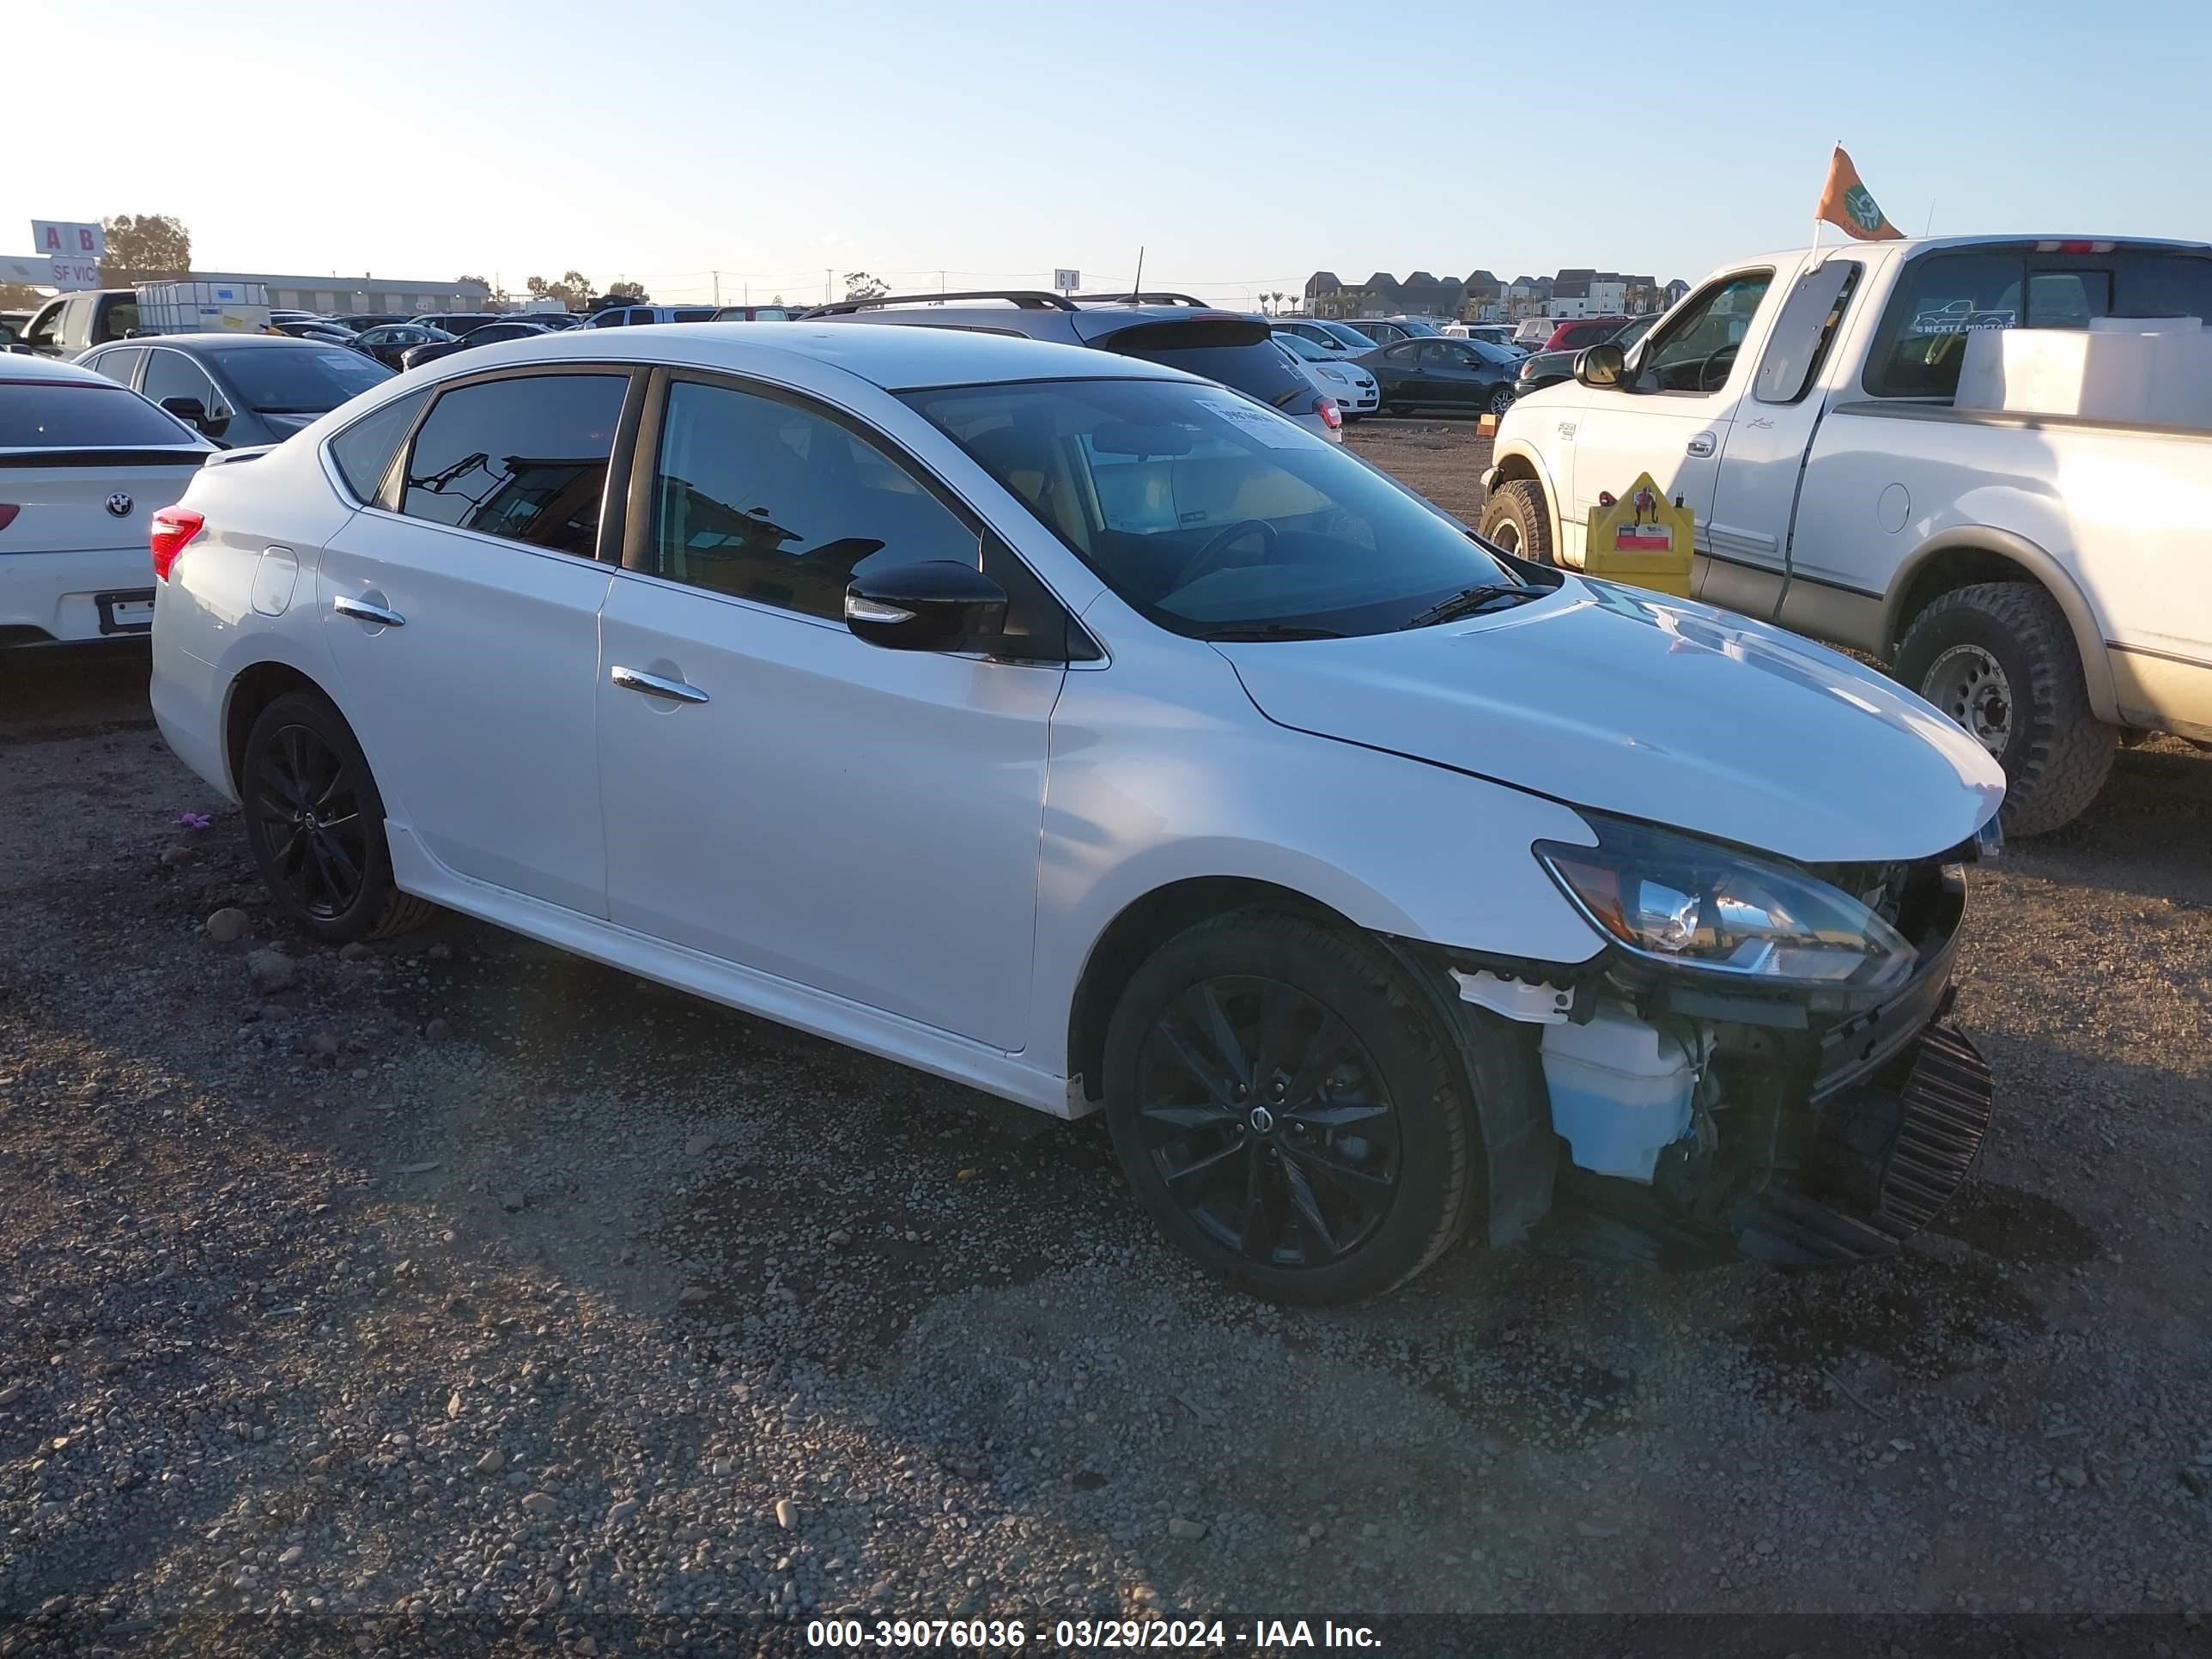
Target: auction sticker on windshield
x: 1274, y: 433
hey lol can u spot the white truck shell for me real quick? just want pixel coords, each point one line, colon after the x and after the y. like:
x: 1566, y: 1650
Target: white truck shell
x: 1853, y: 514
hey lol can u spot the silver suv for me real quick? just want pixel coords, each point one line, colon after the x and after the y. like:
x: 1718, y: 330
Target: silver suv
x: 1232, y: 348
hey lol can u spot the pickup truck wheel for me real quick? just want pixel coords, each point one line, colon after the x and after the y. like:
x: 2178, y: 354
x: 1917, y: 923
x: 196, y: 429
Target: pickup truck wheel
x: 1514, y: 519
x: 1287, y: 1110
x: 1999, y: 659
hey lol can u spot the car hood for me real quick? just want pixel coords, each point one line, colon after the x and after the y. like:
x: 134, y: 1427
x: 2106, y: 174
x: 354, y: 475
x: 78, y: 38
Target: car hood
x: 1630, y: 703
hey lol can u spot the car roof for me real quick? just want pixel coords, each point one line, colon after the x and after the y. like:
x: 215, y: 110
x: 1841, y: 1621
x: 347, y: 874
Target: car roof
x: 895, y: 358
x: 211, y: 341
x: 16, y: 366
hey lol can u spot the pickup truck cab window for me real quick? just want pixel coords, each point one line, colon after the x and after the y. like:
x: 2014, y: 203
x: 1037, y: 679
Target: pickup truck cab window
x: 1942, y: 297
x: 1695, y: 353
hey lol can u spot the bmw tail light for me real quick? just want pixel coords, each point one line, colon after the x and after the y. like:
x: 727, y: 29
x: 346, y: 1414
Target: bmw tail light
x: 173, y: 526
x: 8, y: 512
x: 1326, y: 408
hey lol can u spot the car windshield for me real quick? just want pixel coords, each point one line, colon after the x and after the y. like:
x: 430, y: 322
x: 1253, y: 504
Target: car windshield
x: 1210, y: 516
x: 312, y: 382
x: 1351, y: 337
x: 1299, y: 346
x: 1490, y: 353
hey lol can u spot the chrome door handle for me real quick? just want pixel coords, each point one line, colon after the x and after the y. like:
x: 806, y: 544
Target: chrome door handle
x: 362, y: 610
x: 1702, y: 444
x: 653, y: 686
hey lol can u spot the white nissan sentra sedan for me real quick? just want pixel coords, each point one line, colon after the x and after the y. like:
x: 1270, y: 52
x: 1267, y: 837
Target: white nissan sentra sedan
x: 1085, y: 733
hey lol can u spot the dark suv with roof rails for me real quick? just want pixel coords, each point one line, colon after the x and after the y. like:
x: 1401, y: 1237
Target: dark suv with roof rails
x: 1233, y: 348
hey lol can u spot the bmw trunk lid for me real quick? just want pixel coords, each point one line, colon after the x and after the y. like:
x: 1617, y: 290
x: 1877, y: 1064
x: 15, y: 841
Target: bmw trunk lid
x: 70, y: 501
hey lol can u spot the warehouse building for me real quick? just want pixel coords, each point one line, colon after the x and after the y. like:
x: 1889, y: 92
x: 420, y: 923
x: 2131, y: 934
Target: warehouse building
x: 383, y: 296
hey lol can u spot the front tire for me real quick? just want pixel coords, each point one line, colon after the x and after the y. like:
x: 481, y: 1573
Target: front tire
x: 1999, y: 659
x: 314, y: 823
x: 1501, y: 401
x: 1287, y: 1110
x: 1515, y: 518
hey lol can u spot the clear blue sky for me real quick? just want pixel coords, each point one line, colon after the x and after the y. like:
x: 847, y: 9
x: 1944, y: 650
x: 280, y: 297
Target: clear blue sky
x: 1245, y: 146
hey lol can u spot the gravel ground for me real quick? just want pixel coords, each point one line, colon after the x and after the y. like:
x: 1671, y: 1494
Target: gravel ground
x: 456, y: 1289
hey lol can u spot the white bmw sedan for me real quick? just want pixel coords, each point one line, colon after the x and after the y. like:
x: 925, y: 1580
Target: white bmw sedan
x: 1078, y: 730
x: 83, y: 464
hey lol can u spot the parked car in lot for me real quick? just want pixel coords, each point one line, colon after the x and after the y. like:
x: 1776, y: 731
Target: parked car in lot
x: 83, y: 464
x: 389, y: 343
x: 315, y: 329
x: 1388, y: 331
x: 2041, y: 579
x: 1191, y: 770
x: 1337, y: 339
x: 239, y: 390
x: 1353, y: 387
x: 1541, y: 369
x: 1497, y: 334
x: 456, y: 323
x: 1232, y: 348
x: 13, y: 326
x: 70, y: 323
x: 1468, y: 375
x: 489, y: 334
x: 639, y: 316
x: 754, y: 314
x: 1579, y: 332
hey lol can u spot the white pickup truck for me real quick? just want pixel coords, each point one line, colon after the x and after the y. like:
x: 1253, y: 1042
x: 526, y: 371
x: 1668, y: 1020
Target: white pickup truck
x: 2045, y: 580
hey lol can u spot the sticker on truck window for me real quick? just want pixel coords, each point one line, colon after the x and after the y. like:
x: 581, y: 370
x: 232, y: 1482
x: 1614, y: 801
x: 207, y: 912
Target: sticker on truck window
x: 1960, y: 317
x: 1254, y: 422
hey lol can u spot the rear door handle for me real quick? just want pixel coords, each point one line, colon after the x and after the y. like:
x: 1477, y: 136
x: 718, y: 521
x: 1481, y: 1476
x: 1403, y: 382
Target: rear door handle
x: 362, y: 610
x: 1702, y: 444
x: 653, y: 686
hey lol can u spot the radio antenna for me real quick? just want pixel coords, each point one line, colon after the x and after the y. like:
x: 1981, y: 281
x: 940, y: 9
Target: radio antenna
x: 1137, y: 294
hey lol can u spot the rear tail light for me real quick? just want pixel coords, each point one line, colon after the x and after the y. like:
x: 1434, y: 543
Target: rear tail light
x: 173, y: 526
x: 8, y: 512
x: 2071, y: 247
x: 1326, y: 408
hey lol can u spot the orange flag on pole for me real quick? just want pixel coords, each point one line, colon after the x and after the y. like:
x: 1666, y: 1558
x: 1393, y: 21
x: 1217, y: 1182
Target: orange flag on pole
x: 1846, y: 204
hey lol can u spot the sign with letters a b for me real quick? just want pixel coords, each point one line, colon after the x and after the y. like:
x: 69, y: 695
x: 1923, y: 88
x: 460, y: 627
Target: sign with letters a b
x: 67, y: 238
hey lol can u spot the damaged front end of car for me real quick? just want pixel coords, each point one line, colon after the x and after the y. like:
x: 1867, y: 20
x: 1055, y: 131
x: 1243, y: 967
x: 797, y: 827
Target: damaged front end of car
x: 1758, y: 1058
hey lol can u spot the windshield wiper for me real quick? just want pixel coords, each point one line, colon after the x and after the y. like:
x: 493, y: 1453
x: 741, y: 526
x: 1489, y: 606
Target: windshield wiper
x: 1468, y: 600
x: 1272, y: 631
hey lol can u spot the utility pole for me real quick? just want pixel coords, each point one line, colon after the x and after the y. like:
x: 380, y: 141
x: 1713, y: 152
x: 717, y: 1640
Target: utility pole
x: 717, y: 290
x: 825, y: 287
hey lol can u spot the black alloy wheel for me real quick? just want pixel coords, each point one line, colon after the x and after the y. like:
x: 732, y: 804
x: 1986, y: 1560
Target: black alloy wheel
x: 314, y: 823
x: 305, y: 815
x: 1269, y: 1121
x: 1295, y: 1109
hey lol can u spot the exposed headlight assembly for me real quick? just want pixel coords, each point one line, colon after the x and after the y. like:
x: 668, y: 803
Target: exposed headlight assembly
x: 1692, y: 904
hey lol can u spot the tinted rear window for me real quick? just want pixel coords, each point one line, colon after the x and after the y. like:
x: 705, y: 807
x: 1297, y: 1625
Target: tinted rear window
x: 1943, y: 297
x: 308, y: 382
x: 36, y: 415
x: 1236, y: 353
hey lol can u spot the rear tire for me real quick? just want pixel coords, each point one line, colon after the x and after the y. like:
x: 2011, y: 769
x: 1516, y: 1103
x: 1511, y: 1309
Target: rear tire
x: 1515, y: 518
x: 2000, y: 659
x: 314, y: 823
x: 1501, y: 401
x: 1287, y: 1110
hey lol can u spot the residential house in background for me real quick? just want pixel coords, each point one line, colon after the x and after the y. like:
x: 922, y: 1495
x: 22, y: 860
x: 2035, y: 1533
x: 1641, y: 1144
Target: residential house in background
x: 1577, y: 291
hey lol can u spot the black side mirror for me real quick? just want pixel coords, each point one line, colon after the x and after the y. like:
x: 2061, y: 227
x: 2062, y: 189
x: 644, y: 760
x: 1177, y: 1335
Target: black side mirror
x: 937, y: 605
x: 1601, y: 366
x: 191, y: 410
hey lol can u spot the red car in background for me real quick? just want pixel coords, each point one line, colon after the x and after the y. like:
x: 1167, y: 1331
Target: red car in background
x: 1574, y: 334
